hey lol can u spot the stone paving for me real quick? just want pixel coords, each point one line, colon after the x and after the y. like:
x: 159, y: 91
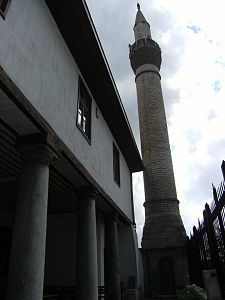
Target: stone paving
x: 162, y: 299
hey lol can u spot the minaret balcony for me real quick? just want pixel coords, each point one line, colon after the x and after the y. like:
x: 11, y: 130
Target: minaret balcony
x: 145, y: 51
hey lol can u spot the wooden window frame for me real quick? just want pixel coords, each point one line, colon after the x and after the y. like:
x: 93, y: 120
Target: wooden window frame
x: 116, y: 164
x: 4, y: 7
x: 84, y: 109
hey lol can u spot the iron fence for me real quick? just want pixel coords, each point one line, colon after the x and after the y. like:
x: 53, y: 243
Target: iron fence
x: 206, y: 245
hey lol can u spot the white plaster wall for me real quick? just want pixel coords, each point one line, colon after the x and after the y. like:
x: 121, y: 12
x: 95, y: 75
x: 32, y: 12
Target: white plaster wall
x: 129, y: 260
x: 140, y: 259
x: 35, y: 56
x: 61, y: 245
x: 60, y: 266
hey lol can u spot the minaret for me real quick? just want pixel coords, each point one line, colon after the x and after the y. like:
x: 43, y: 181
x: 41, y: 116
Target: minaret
x: 163, y: 241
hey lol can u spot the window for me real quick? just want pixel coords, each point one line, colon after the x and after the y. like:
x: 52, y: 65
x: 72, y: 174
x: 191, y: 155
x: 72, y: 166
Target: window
x: 4, y: 5
x: 116, y: 164
x: 84, y: 111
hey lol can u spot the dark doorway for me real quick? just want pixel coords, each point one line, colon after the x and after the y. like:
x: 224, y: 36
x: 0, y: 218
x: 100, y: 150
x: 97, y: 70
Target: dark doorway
x: 167, y: 282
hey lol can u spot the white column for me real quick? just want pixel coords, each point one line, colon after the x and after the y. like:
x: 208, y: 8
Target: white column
x: 26, y: 269
x: 87, y: 272
x: 112, y: 261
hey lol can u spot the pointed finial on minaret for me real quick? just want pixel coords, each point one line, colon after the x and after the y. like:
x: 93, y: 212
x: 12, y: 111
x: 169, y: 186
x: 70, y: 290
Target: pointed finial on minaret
x: 141, y: 26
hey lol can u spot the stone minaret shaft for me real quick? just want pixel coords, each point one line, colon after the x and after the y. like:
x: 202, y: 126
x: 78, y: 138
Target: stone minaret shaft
x: 163, y: 227
x: 160, y: 191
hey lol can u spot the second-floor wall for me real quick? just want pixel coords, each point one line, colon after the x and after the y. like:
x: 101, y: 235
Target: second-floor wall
x: 37, y: 59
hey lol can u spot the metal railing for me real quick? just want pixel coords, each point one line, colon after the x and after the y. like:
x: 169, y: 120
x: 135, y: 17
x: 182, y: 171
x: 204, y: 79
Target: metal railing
x: 206, y: 246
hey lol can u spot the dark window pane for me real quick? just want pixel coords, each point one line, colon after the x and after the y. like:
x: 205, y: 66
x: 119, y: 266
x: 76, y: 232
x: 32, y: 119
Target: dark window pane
x: 4, y: 7
x: 3, y: 4
x: 116, y: 164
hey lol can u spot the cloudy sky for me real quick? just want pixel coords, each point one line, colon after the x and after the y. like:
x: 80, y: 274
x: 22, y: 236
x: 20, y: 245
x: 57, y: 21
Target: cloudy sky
x: 191, y: 36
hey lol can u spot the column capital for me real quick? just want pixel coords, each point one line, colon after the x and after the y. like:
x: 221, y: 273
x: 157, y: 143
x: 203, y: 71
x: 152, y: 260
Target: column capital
x: 87, y: 193
x: 113, y: 216
x: 34, y: 148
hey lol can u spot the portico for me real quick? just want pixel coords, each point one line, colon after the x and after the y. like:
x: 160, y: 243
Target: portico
x: 38, y: 187
x: 36, y: 199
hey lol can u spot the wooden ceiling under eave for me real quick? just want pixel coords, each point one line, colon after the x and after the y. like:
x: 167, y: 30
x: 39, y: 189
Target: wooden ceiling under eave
x: 75, y: 24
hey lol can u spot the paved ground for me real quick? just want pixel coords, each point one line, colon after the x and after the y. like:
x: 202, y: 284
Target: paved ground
x: 162, y: 299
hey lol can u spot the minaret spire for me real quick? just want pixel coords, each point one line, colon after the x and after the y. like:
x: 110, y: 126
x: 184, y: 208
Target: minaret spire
x: 164, y: 237
x: 141, y: 26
